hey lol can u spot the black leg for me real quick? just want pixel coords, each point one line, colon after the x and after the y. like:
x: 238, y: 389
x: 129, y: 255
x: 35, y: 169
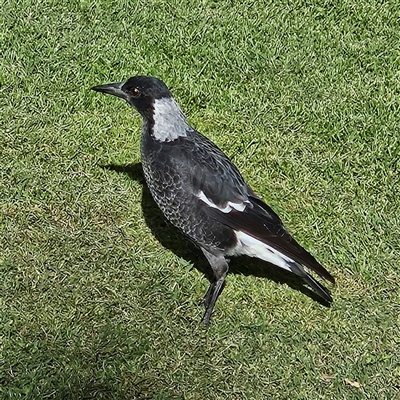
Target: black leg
x: 220, y: 269
x: 208, y: 295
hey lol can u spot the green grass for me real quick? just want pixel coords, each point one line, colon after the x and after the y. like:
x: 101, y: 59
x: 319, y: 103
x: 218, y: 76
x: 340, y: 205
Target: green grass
x: 303, y: 96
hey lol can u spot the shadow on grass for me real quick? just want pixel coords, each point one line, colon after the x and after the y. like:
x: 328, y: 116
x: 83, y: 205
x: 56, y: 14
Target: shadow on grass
x: 171, y: 238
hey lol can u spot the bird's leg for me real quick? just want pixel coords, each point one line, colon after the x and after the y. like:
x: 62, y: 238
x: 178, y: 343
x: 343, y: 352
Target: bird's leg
x: 208, y: 295
x: 220, y: 269
x: 218, y: 286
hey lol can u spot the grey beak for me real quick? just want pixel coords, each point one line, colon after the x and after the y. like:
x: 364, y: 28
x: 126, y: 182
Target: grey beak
x: 111, y: 88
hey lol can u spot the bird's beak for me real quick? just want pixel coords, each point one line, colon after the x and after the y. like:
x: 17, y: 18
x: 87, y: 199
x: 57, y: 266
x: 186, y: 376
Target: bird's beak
x: 111, y: 88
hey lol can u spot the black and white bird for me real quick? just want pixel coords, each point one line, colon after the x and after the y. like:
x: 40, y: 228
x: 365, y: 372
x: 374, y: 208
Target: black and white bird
x: 201, y: 192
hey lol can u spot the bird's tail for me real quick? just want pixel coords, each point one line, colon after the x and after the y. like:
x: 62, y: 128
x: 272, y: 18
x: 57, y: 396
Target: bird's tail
x: 319, y: 289
x: 312, y: 283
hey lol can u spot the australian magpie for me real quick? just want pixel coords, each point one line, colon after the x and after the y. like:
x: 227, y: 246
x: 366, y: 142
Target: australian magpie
x: 201, y: 192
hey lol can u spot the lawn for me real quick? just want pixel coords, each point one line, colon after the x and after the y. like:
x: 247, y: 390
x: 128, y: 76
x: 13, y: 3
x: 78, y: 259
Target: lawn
x: 99, y: 296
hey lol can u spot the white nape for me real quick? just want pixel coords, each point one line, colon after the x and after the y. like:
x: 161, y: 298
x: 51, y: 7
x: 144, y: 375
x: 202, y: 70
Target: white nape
x: 169, y: 120
x: 252, y: 247
x: 228, y: 208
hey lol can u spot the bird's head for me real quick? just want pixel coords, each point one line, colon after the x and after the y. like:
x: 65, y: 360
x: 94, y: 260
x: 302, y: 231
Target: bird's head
x: 140, y: 92
x: 162, y: 117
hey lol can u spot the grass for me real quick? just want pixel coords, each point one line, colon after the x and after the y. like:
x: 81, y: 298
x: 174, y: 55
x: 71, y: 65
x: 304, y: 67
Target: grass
x: 99, y: 297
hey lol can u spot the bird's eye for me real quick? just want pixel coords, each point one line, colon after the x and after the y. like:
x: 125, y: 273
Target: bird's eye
x: 135, y: 92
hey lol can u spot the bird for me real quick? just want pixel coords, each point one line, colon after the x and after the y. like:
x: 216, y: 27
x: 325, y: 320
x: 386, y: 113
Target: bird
x: 201, y: 192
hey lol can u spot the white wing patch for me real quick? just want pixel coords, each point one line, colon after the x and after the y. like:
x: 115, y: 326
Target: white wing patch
x: 252, y: 247
x: 228, y: 208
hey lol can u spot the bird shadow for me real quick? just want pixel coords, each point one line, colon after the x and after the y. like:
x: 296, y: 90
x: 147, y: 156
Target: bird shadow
x: 171, y: 238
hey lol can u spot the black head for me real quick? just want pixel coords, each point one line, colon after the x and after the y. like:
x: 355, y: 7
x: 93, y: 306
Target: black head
x: 140, y: 92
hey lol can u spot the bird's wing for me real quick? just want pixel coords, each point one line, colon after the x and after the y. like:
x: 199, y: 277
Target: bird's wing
x: 260, y: 221
x: 214, y: 176
x: 227, y: 198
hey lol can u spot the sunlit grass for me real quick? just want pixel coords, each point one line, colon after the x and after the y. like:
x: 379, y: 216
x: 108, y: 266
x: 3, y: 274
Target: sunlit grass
x: 98, y: 295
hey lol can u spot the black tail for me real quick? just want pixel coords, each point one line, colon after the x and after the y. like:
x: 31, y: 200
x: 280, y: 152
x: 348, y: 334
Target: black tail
x: 319, y: 289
